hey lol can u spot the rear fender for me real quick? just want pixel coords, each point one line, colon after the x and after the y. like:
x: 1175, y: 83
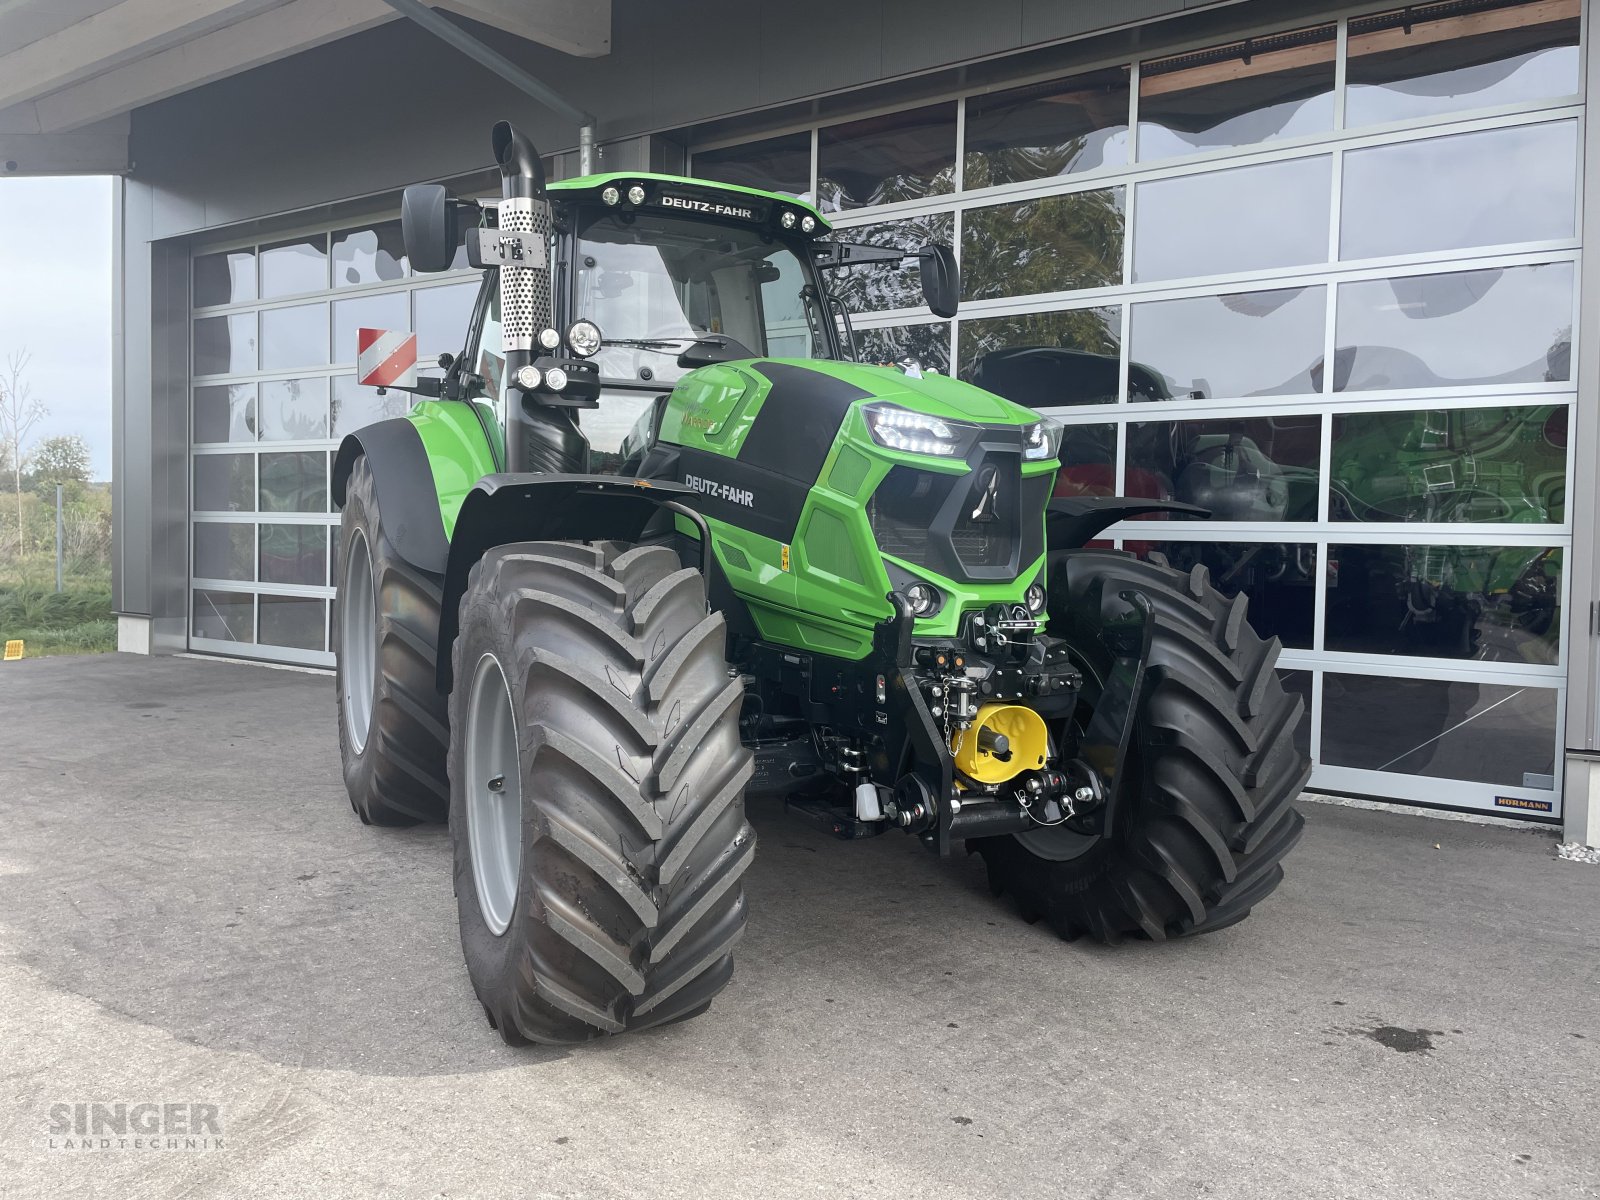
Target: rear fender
x: 403, y: 479
x: 547, y: 508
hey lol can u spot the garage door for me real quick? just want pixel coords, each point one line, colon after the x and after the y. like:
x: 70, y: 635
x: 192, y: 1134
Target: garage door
x: 274, y: 390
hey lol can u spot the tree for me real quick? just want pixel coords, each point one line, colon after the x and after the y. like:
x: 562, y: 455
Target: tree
x: 20, y: 411
x: 60, y: 459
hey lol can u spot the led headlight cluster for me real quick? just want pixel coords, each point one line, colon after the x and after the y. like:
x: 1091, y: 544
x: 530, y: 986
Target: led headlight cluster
x: 899, y: 428
x: 1034, y: 598
x: 791, y: 219
x: 530, y: 378
x: 923, y: 598
x: 1042, y: 440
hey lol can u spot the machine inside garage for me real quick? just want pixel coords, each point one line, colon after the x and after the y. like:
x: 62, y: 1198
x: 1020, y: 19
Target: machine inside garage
x: 1316, y: 268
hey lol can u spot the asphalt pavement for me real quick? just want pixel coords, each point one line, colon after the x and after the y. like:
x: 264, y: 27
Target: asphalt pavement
x: 194, y: 926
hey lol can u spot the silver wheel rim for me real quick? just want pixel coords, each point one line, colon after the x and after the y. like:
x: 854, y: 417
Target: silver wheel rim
x: 358, y: 640
x: 494, y: 794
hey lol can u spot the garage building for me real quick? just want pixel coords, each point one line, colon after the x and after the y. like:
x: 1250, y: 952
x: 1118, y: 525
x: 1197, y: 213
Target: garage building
x: 1319, y: 269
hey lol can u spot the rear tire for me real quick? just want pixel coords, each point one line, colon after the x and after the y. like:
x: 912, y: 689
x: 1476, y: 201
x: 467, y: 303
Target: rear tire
x: 392, y: 719
x: 1207, y: 809
x: 606, y: 894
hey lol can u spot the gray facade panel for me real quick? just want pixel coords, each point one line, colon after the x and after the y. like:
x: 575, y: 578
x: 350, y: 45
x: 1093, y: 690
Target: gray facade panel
x: 130, y: 416
x: 1583, y: 672
x: 918, y: 33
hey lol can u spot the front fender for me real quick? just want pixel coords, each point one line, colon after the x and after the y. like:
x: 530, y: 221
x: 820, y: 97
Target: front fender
x: 546, y: 508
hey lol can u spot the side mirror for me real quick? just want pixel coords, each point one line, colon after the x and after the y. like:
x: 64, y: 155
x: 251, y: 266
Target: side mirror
x: 941, y: 279
x: 428, y: 227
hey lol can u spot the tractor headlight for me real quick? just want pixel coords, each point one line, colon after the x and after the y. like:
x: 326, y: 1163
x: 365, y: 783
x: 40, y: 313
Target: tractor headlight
x: 1034, y: 598
x: 924, y: 599
x: 788, y: 219
x: 529, y: 378
x: 917, y: 433
x: 1042, y: 440
x: 636, y: 195
x: 808, y: 224
x: 611, y: 196
x: 549, y: 339
x: 584, y: 339
x: 555, y: 379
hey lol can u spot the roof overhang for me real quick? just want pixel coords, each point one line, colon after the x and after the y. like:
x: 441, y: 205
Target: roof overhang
x: 72, y: 70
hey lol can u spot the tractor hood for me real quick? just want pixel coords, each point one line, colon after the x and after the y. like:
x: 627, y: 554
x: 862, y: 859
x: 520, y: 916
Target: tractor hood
x: 930, y: 393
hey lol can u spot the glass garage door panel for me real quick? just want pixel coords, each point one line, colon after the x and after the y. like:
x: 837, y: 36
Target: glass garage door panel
x: 274, y: 346
x: 1487, y: 733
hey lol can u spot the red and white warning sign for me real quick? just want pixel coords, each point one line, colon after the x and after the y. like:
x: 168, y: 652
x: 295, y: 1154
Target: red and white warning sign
x: 386, y: 358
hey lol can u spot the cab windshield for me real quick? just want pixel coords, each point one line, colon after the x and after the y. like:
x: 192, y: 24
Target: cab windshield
x: 655, y: 283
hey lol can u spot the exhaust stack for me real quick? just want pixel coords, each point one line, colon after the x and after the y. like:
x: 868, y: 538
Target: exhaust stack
x: 537, y: 438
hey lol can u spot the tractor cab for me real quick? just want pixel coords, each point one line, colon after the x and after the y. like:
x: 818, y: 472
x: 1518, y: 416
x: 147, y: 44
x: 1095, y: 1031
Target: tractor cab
x: 649, y: 276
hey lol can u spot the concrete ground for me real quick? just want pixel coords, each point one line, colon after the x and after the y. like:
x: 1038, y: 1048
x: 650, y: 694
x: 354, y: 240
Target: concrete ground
x: 190, y: 914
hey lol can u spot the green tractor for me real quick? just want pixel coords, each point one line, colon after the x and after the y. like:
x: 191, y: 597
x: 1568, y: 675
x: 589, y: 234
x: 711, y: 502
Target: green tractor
x: 653, y: 542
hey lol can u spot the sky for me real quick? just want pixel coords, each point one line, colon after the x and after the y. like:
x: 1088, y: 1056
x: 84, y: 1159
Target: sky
x: 55, y: 301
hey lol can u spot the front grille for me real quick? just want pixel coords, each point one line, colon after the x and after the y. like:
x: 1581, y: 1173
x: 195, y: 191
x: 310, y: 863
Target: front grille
x: 967, y: 526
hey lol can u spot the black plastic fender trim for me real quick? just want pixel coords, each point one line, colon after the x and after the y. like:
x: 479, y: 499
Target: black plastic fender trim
x: 546, y: 508
x: 1072, y: 522
x: 407, y: 500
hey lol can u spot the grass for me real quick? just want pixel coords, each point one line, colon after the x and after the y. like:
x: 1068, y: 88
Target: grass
x: 75, y: 621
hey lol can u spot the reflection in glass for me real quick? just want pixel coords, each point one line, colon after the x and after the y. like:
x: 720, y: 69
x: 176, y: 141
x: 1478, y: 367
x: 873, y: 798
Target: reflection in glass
x: 1441, y: 58
x: 1244, y: 344
x: 880, y: 160
x: 926, y: 345
x: 1244, y: 469
x: 225, y: 345
x: 1088, y: 461
x: 224, y: 616
x: 371, y: 254
x: 294, y: 410
x: 294, y: 554
x: 388, y: 311
x: 876, y: 287
x: 355, y: 406
x: 294, y: 337
x: 1470, y: 189
x: 225, y: 278
x: 293, y: 621
x: 1241, y: 219
x: 1503, y: 325
x: 780, y: 164
x: 1239, y: 94
x: 1469, y: 464
x: 224, y: 550
x: 224, y: 482
x: 1046, y: 360
x: 1045, y: 244
x: 1490, y: 603
x: 294, y: 482
x: 1279, y: 579
x: 1443, y: 729
x: 442, y: 316
x: 1047, y: 129
x: 298, y: 265
x: 225, y: 413
x: 1299, y: 684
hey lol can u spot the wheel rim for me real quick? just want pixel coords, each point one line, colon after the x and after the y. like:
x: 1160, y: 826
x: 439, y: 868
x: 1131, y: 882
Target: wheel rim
x: 358, y: 640
x: 494, y: 794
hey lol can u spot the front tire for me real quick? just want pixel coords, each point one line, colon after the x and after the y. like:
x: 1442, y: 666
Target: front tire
x: 1206, y: 812
x: 597, y: 786
x: 392, y: 733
